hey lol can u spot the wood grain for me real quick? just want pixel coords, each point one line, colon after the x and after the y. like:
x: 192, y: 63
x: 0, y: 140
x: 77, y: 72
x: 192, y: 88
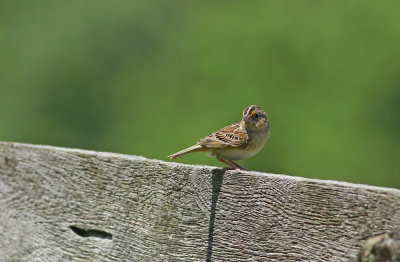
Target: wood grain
x: 62, y: 204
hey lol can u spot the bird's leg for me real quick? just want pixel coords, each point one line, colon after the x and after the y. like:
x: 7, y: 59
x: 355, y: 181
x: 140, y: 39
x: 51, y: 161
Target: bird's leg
x: 236, y: 165
x: 228, y: 163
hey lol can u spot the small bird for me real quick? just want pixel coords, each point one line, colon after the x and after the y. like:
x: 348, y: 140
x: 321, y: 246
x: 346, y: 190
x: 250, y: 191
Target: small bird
x: 237, y: 141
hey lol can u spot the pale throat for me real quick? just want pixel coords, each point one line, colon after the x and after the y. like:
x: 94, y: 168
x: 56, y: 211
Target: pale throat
x: 259, y: 127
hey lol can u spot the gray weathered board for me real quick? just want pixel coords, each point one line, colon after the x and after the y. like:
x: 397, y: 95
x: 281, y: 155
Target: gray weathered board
x: 59, y: 204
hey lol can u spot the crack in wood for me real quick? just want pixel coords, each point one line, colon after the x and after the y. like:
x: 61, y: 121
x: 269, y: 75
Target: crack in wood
x: 90, y: 232
x: 217, y: 177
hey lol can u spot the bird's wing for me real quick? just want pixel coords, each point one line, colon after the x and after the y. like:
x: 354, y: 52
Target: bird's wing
x: 230, y: 136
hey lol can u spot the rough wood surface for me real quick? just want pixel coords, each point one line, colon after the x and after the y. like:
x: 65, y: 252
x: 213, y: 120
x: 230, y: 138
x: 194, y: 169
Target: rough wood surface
x: 60, y: 204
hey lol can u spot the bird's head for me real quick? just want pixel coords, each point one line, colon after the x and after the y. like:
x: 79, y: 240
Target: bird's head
x: 254, y: 118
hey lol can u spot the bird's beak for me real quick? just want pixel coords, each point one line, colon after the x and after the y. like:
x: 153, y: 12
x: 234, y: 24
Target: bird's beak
x: 246, y: 118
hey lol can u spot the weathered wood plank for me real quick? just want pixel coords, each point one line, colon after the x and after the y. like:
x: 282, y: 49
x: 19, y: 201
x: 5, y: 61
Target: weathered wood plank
x: 278, y: 218
x: 154, y: 211
x: 62, y: 204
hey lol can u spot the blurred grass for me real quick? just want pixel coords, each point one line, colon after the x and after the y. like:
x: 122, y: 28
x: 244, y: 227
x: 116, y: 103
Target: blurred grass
x: 152, y: 77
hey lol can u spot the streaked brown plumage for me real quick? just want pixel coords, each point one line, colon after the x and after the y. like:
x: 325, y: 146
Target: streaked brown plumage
x: 237, y: 141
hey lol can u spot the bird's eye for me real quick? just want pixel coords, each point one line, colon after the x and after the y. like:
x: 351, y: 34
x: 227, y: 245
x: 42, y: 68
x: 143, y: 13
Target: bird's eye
x: 256, y: 116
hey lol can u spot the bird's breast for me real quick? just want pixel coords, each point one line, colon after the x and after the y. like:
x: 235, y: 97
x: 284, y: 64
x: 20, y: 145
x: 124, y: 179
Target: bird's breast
x: 256, y: 141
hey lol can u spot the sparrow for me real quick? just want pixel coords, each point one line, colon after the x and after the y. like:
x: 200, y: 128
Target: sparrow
x: 237, y: 141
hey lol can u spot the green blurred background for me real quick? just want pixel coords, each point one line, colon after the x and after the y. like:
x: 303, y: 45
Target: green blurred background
x: 152, y: 77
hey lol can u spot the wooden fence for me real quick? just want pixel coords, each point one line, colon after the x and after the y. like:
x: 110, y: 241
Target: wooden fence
x: 59, y: 204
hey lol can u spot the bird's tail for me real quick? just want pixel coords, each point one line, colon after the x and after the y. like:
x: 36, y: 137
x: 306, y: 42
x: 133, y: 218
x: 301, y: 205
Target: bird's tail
x: 195, y: 148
